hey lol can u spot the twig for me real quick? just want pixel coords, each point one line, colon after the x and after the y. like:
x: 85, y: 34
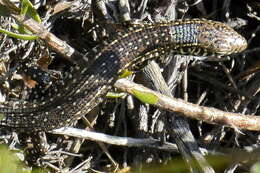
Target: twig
x: 115, y: 140
x: 206, y: 114
x: 50, y: 39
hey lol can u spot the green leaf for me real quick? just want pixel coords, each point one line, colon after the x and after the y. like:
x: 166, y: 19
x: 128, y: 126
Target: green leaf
x: 2, y: 116
x: 255, y: 168
x: 8, y: 161
x: 125, y: 73
x: 24, y: 8
x: 115, y: 95
x: 145, y: 97
x: 21, y: 29
x: 19, y: 36
x: 28, y: 8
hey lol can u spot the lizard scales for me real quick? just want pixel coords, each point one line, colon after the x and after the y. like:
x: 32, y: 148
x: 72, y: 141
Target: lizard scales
x: 86, y: 87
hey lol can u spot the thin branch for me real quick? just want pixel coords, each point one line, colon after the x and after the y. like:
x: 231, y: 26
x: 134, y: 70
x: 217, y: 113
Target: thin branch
x: 206, y: 114
x: 115, y: 140
x: 50, y: 39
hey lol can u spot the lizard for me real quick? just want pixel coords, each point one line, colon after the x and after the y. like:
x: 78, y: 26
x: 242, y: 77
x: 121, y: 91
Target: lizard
x: 84, y: 88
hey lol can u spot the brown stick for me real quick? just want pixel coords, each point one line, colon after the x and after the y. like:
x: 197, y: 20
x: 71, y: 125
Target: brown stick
x: 206, y: 114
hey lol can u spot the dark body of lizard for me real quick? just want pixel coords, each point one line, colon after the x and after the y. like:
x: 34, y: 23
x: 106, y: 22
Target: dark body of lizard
x: 86, y: 87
